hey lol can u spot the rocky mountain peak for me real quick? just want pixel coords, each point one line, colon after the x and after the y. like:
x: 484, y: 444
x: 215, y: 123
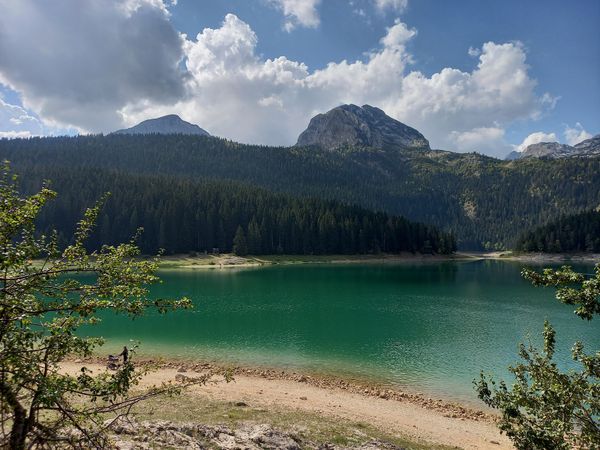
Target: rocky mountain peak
x: 585, y: 149
x: 169, y: 124
x: 366, y: 126
x: 546, y: 149
x: 591, y: 146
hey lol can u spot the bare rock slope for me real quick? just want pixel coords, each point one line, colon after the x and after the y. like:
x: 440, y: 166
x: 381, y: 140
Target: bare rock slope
x: 585, y: 149
x: 355, y: 126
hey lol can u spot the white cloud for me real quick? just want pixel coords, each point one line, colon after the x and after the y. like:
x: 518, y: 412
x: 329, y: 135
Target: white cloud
x: 397, y: 36
x: 488, y: 140
x: 78, y: 61
x: 474, y: 52
x: 235, y: 93
x: 116, y: 63
x: 305, y: 13
x: 576, y: 134
x: 536, y: 138
x: 395, y: 5
x: 298, y: 12
x: 14, y: 134
x: 18, y: 122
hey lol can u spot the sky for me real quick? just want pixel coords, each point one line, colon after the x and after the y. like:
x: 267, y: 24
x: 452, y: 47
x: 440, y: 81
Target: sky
x: 472, y: 75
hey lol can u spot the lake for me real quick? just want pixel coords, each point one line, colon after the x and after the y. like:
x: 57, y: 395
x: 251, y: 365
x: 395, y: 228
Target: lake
x: 429, y: 327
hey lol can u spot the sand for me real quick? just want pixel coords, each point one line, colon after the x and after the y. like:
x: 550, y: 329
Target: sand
x: 398, y: 417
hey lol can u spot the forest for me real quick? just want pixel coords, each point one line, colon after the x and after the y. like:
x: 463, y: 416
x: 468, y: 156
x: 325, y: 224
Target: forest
x: 575, y: 233
x: 183, y: 216
x: 484, y: 202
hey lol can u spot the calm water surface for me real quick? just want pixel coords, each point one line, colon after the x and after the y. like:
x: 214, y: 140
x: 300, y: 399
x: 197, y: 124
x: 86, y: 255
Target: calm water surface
x: 429, y: 326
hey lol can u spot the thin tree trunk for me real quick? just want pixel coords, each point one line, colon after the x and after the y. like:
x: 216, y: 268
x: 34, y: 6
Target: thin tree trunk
x: 20, y: 423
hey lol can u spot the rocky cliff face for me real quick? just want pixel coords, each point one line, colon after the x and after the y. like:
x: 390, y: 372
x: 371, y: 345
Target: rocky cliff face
x: 366, y: 126
x: 585, y: 149
x: 171, y: 124
x: 589, y: 147
x: 547, y: 149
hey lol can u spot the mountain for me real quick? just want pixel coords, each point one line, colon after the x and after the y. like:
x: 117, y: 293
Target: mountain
x: 171, y: 124
x: 589, y: 147
x: 547, y: 150
x: 569, y: 233
x: 184, y: 215
x: 585, y: 149
x: 513, y: 155
x: 483, y: 201
x: 355, y: 126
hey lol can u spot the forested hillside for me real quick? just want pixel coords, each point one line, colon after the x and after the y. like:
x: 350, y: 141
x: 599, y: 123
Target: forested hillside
x: 572, y: 233
x: 181, y: 216
x: 483, y: 201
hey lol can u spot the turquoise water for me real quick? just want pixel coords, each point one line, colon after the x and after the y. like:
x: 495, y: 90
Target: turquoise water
x: 430, y: 327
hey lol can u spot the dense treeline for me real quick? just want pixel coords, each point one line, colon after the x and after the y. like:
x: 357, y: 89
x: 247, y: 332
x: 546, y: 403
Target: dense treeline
x: 485, y: 202
x: 572, y: 233
x: 183, y: 216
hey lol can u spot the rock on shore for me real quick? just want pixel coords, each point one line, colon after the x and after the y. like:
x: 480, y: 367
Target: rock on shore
x: 164, y: 434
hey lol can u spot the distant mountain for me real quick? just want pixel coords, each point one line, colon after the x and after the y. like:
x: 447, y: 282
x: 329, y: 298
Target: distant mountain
x: 585, y: 149
x: 355, y: 126
x: 589, y: 147
x: 171, y: 124
x: 485, y: 202
x: 547, y: 150
x: 513, y: 155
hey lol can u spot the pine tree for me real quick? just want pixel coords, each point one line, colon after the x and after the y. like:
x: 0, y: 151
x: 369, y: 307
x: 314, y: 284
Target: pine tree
x: 254, y: 238
x: 240, y: 245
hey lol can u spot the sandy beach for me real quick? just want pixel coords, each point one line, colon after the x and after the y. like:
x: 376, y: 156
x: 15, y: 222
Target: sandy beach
x: 426, y: 421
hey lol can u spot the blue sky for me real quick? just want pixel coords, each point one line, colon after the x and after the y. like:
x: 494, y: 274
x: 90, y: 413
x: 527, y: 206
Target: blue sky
x: 420, y: 60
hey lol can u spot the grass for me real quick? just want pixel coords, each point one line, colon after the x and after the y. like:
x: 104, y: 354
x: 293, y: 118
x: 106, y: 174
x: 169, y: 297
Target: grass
x: 309, y: 427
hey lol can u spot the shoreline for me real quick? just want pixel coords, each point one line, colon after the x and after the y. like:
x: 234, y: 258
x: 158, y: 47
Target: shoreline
x: 356, y: 385
x: 421, y: 419
x: 227, y: 261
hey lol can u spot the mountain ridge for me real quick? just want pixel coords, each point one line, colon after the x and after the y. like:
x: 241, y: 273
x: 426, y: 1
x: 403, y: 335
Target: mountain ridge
x: 169, y: 124
x: 486, y: 202
x: 584, y: 149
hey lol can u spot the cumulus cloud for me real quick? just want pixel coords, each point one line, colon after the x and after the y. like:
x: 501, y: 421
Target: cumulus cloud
x: 79, y: 61
x: 397, y: 36
x: 113, y: 64
x: 270, y: 101
x: 574, y: 135
x: 298, y: 12
x: 488, y: 140
x: 235, y: 93
x: 536, y: 138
